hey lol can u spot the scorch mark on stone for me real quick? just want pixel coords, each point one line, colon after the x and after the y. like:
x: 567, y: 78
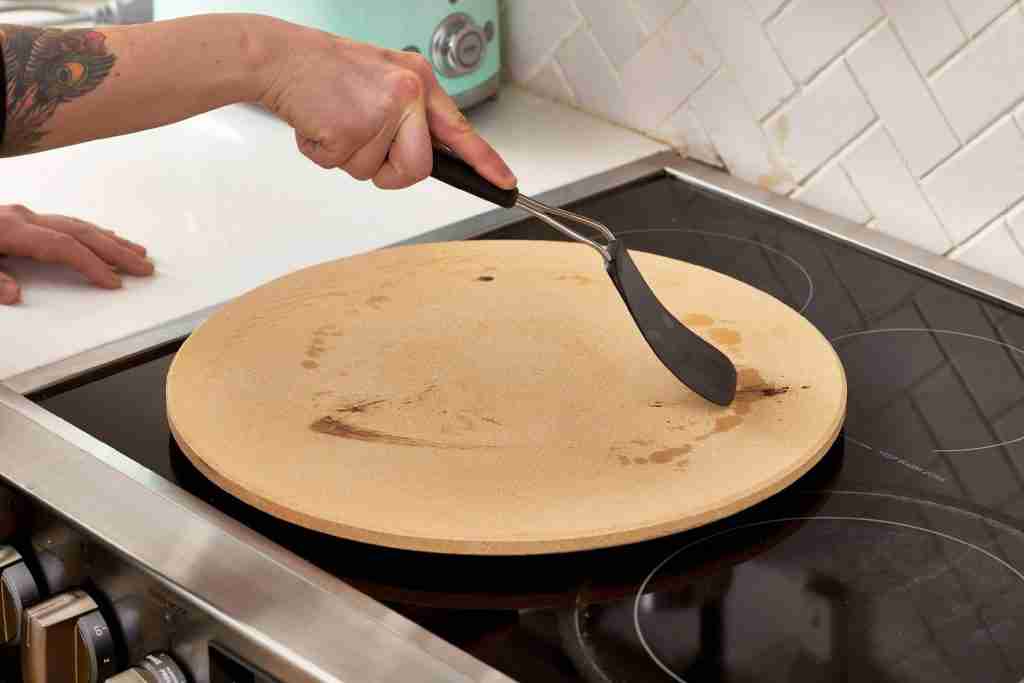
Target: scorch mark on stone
x: 342, y: 427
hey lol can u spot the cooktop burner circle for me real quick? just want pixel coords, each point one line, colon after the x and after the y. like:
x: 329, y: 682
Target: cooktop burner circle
x: 754, y: 262
x: 871, y: 587
x: 954, y: 391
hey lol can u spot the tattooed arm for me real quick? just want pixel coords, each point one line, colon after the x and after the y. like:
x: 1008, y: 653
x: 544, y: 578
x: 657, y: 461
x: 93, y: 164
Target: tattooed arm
x: 70, y: 86
x: 368, y: 111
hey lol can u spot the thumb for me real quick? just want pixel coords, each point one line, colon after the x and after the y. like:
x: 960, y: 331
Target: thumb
x: 10, y: 292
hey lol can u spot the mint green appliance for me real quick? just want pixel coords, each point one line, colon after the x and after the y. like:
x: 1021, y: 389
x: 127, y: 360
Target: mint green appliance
x: 461, y: 39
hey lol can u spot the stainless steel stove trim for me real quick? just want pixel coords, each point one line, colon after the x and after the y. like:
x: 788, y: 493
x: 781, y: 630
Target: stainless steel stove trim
x: 719, y: 182
x: 267, y: 605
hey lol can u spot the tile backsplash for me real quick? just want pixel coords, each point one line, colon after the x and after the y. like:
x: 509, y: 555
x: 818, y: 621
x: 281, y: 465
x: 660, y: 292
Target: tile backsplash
x: 904, y: 115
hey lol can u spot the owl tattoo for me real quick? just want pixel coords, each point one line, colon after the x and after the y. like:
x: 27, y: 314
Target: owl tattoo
x: 45, y: 69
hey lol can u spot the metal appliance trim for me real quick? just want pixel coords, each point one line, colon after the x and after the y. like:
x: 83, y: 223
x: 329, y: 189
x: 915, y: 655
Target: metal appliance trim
x: 719, y: 182
x: 281, y: 613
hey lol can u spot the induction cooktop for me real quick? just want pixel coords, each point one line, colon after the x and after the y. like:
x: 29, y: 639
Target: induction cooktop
x: 899, y: 557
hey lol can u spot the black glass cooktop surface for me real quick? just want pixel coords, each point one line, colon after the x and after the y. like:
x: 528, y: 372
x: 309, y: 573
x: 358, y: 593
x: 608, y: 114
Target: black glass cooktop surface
x: 900, y: 557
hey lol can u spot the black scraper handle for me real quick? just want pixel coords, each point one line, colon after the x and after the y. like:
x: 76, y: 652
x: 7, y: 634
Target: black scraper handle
x: 455, y: 172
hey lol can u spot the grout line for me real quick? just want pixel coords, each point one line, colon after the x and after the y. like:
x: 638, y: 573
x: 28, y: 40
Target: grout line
x: 1008, y: 113
x: 805, y: 186
x: 552, y: 53
x: 928, y: 88
x: 903, y: 159
x: 982, y: 232
x: 801, y: 89
x: 1005, y: 13
x: 1013, y: 234
x: 632, y: 6
x: 849, y: 46
x: 920, y: 190
x: 851, y: 145
x: 560, y: 73
x: 784, y: 7
x: 872, y: 218
x: 982, y: 34
x: 855, y: 139
x: 956, y: 20
x: 616, y: 74
x: 686, y: 99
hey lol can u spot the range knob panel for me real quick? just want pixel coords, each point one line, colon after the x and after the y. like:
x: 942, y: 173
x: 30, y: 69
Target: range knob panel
x: 459, y: 45
x: 67, y: 640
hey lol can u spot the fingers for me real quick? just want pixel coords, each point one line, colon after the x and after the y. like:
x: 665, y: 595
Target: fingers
x: 94, y: 252
x: 10, y: 292
x: 383, y: 118
x: 101, y: 242
x: 137, y: 248
x: 367, y: 162
x: 451, y: 127
x: 50, y: 246
x: 411, y: 157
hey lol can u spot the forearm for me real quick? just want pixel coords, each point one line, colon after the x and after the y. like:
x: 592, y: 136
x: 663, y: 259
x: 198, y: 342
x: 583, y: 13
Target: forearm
x: 66, y: 87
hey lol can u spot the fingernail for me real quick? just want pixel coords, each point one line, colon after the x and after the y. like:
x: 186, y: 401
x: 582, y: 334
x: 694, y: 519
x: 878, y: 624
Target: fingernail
x: 509, y: 174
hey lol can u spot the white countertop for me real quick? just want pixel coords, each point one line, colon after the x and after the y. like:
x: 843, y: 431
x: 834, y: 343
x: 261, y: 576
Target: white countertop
x: 225, y: 203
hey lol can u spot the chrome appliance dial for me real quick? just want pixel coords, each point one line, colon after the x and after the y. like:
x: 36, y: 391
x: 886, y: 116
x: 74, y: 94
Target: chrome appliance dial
x: 459, y: 45
x: 18, y: 592
x: 67, y: 640
x: 156, y: 668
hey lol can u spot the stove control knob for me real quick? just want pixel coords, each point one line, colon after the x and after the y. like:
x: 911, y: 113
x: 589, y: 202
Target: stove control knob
x: 153, y: 669
x: 18, y: 592
x: 67, y: 640
x: 458, y: 46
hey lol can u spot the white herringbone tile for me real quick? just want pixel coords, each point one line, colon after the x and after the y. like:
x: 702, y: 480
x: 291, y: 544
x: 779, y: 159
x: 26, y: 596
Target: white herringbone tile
x: 766, y: 8
x: 538, y: 27
x: 928, y: 29
x: 551, y: 83
x: 673, y: 63
x: 811, y: 33
x: 683, y: 131
x: 758, y: 69
x: 831, y: 190
x: 591, y: 76
x: 724, y: 113
x: 996, y: 252
x: 982, y: 82
x: 654, y: 13
x: 979, y: 182
x: 907, y: 114
x: 902, y: 100
x: 1015, y: 224
x: 615, y: 26
x: 831, y: 112
x: 974, y: 15
x: 883, y: 180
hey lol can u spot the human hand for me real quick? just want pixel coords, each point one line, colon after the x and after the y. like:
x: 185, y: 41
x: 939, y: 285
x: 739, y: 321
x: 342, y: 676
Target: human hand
x: 369, y: 111
x: 96, y: 253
